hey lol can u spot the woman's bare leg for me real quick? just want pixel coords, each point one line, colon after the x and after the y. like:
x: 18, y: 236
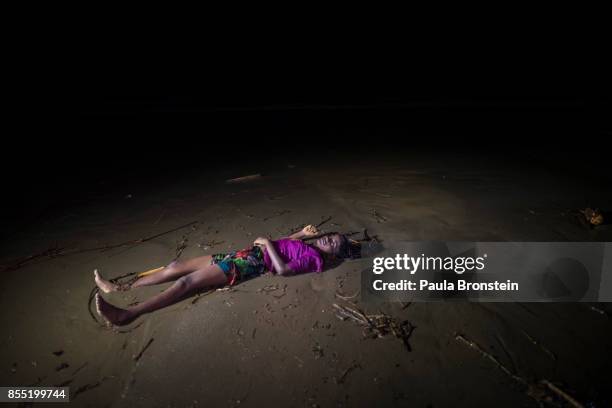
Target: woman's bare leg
x: 170, y: 273
x: 210, y: 275
x: 174, y: 271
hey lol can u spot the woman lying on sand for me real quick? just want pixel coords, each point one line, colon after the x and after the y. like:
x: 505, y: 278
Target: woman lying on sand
x: 286, y: 256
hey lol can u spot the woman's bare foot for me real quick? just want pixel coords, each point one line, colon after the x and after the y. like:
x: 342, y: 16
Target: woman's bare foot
x: 112, y: 314
x: 104, y: 285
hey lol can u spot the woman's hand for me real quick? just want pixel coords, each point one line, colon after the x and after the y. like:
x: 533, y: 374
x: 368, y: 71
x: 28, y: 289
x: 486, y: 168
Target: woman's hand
x: 310, y: 230
x: 261, y: 242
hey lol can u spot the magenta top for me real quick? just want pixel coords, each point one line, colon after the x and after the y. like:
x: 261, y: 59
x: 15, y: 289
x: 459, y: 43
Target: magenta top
x: 298, y: 256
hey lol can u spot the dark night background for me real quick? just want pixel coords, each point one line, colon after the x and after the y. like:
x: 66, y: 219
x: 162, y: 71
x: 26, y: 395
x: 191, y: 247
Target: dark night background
x: 74, y: 129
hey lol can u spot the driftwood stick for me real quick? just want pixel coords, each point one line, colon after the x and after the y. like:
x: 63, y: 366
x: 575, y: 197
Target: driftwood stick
x: 350, y: 368
x: 57, y: 252
x: 562, y: 394
x: 136, y: 241
x: 150, y: 271
x: 540, y: 345
x: 530, y: 387
x: 344, y: 297
x: 349, y: 313
x: 325, y: 221
x: 488, y: 356
x: 139, y: 355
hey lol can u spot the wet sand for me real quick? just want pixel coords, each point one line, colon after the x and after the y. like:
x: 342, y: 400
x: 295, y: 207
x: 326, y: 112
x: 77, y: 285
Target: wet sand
x: 251, y: 345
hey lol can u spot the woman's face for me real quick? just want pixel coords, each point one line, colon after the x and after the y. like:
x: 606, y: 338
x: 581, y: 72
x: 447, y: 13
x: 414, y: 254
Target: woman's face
x: 330, y: 244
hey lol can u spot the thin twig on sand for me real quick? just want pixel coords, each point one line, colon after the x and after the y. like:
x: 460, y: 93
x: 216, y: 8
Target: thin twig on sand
x: 562, y: 394
x: 325, y: 221
x: 181, y: 246
x: 346, y: 372
x: 540, y: 345
x: 201, y: 295
x: 57, y: 252
x: 344, y: 297
x: 243, y: 179
x: 79, y: 369
x: 475, y: 346
x: 379, y: 217
x: 405, y: 305
x: 88, y: 387
x: 139, y: 355
x: 538, y: 391
x: 600, y: 311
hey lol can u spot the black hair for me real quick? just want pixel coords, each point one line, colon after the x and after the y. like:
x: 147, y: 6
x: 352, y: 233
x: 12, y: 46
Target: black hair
x: 348, y: 249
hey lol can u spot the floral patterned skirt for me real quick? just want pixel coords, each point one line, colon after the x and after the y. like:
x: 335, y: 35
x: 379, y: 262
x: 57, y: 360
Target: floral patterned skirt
x: 241, y: 265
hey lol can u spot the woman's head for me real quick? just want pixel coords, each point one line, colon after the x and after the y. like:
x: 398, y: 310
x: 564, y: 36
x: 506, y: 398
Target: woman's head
x: 337, y: 245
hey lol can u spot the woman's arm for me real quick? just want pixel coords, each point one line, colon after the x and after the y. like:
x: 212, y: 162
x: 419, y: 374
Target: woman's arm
x: 280, y: 266
x: 307, y: 231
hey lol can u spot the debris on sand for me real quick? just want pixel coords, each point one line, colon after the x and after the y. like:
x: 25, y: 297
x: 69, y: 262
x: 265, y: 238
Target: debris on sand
x: 570, y: 400
x: 88, y: 387
x: 339, y: 295
x: 276, y: 198
x: 344, y: 312
x: 160, y: 218
x: 139, y: 355
x: 46, y: 254
x: 180, y: 247
x: 379, y: 217
x: 243, y: 179
x: 368, y: 238
x: 282, y: 294
x: 324, y: 221
x: 211, y: 244
x: 201, y: 295
x: 377, y: 325
x: 79, y: 369
x: 293, y: 230
x: 268, y: 288
x: 63, y: 252
x: 58, y: 353
x: 317, y: 350
x: 345, y: 373
x: 475, y: 346
x: 540, y: 391
x: 598, y: 310
x: 316, y: 325
x: 540, y: 345
x: 593, y: 216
